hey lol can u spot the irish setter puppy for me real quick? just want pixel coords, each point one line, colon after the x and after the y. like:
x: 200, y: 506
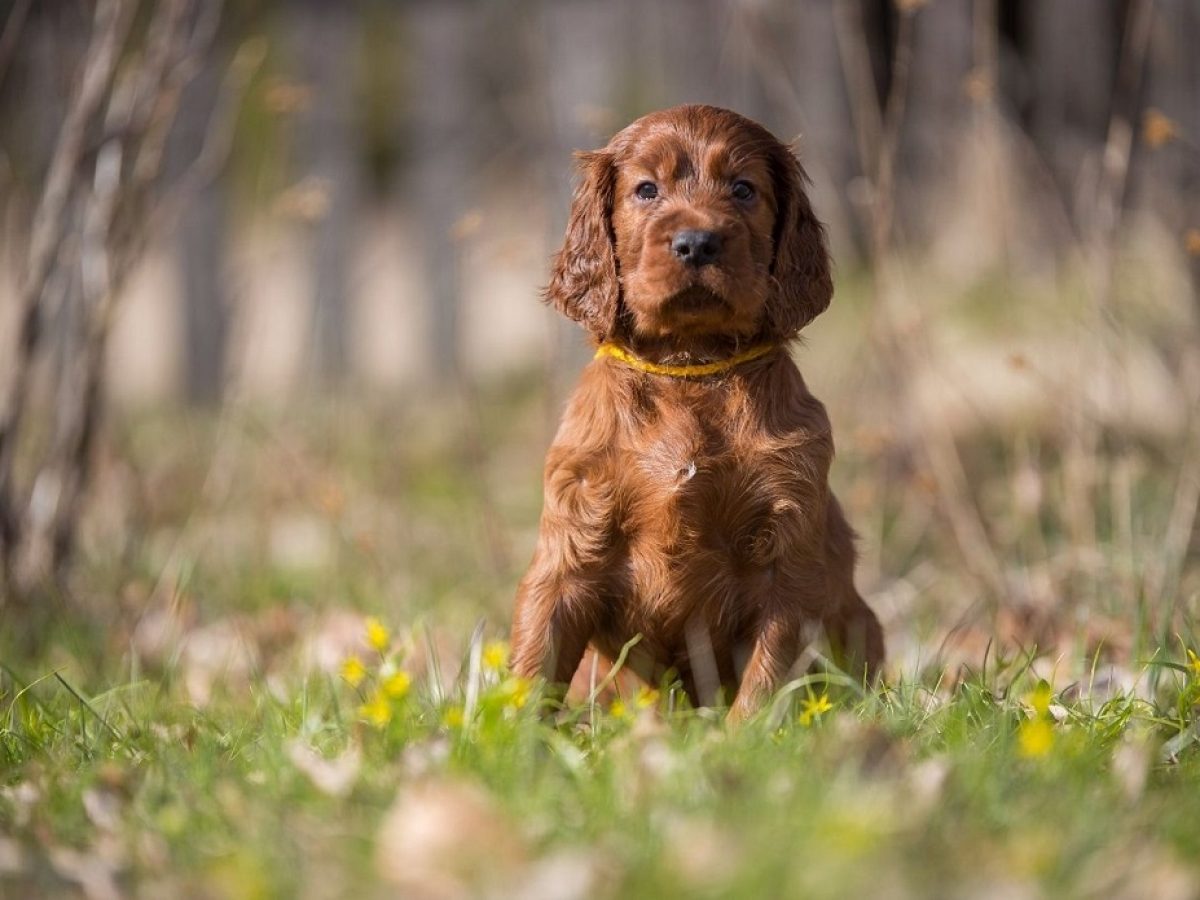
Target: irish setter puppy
x: 686, y: 492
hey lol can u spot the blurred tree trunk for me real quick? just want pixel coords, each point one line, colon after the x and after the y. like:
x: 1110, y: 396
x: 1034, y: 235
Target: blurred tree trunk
x: 582, y: 91
x: 1073, y: 51
x: 31, y: 522
x: 442, y: 162
x: 203, y: 228
x: 937, y: 113
x: 51, y: 37
x: 827, y: 142
x: 99, y: 204
x: 738, y: 70
x: 679, y: 46
x: 1169, y: 174
x: 326, y: 46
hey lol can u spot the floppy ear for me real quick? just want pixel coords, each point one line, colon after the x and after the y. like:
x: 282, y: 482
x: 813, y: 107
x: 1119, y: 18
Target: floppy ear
x: 583, y: 279
x: 801, y: 284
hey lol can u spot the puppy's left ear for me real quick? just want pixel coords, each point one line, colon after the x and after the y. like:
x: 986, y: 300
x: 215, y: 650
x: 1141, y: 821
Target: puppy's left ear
x: 801, y: 283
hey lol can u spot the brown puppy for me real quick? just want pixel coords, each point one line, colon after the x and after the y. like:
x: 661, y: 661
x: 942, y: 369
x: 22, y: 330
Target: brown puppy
x: 686, y: 493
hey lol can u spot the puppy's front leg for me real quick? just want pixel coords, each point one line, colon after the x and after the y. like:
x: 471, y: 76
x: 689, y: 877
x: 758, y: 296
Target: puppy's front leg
x: 554, y: 619
x: 561, y: 599
x: 775, y: 648
x: 792, y: 551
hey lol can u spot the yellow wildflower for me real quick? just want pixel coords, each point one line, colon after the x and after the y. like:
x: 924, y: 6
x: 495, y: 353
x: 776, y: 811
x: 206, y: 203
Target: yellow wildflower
x: 354, y: 671
x: 1039, y: 698
x: 515, y: 691
x: 377, y: 710
x: 495, y: 655
x: 396, y: 685
x: 646, y: 697
x: 1158, y: 128
x: 618, y: 710
x: 378, y: 635
x: 1035, y: 738
x: 453, y: 717
x: 1194, y: 663
x: 814, y: 707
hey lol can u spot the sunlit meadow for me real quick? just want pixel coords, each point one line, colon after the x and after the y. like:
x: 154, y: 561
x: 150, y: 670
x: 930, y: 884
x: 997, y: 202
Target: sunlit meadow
x: 284, y: 674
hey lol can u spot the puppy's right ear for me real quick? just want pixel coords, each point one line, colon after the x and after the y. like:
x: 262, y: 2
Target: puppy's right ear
x: 583, y: 279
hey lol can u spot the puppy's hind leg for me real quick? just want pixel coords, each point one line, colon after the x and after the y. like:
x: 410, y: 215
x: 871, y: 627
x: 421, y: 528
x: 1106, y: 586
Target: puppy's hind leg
x: 856, y: 639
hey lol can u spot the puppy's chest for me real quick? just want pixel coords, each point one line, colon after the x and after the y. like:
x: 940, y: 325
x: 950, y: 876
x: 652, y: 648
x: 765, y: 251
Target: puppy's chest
x: 689, y: 490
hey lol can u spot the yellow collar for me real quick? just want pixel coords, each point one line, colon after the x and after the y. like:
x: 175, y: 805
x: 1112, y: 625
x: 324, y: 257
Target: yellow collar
x: 697, y: 371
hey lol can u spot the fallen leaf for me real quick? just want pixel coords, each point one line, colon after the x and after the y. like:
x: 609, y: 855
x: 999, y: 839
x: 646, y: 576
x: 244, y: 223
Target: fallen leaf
x: 103, y: 808
x: 23, y: 796
x: 331, y: 639
x: 566, y: 875
x: 94, y: 874
x: 703, y: 855
x: 335, y: 777
x: 1131, y: 764
x: 220, y: 652
x: 926, y: 782
x: 445, y: 838
x: 12, y: 857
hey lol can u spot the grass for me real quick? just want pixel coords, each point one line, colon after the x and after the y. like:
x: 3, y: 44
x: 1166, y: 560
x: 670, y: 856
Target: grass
x: 1002, y: 783
x: 189, y: 729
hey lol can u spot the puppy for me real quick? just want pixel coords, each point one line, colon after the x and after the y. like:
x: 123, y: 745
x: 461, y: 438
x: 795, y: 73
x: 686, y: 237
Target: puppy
x: 686, y: 496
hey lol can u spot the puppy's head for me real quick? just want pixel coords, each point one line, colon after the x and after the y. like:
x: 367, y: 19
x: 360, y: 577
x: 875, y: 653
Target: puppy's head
x: 692, y: 223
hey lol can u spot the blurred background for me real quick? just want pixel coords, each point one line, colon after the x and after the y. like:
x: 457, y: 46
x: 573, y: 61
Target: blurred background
x: 269, y: 277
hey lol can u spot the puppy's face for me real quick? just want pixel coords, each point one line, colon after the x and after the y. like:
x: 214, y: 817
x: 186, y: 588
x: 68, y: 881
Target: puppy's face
x: 692, y: 218
x: 692, y: 223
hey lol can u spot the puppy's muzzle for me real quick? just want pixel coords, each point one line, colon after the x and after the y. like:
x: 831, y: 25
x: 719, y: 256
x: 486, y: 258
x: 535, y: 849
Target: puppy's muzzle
x: 696, y: 248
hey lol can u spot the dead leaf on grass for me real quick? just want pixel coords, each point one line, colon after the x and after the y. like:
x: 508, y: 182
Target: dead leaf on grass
x: 22, y: 796
x: 12, y: 857
x: 702, y: 854
x: 218, y: 653
x: 444, y: 839
x: 95, y: 875
x: 332, y: 638
x: 565, y: 875
x: 103, y: 808
x: 1131, y: 764
x: 335, y: 777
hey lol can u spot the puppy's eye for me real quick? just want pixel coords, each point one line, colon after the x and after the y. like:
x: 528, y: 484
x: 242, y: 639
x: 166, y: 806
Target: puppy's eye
x: 647, y: 190
x: 743, y: 190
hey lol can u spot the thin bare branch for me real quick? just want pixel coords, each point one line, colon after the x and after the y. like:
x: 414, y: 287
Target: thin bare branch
x: 166, y: 90
x: 1166, y: 567
x: 903, y: 334
x: 117, y: 226
x: 889, y: 137
x: 111, y: 26
x: 218, y: 143
x: 856, y: 67
x: 11, y: 35
x: 1103, y: 357
x: 119, y: 214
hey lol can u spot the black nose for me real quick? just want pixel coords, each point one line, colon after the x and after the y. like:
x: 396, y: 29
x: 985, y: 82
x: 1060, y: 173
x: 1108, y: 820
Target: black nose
x: 696, y: 248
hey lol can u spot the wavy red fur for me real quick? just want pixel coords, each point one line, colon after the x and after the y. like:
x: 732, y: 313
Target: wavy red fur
x: 693, y: 512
